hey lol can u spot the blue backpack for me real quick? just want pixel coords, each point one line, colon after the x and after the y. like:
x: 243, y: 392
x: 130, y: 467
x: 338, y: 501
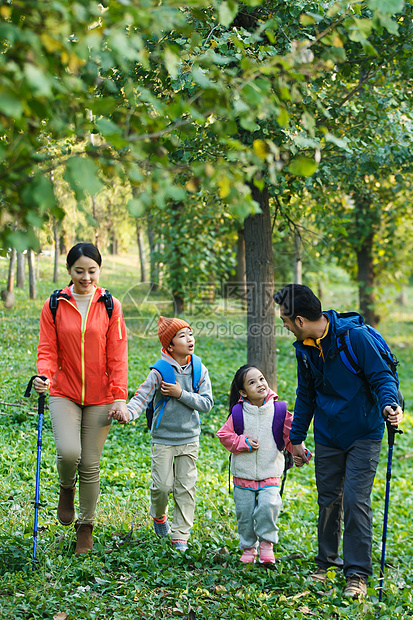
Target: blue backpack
x: 280, y: 411
x: 168, y: 375
x: 350, y: 361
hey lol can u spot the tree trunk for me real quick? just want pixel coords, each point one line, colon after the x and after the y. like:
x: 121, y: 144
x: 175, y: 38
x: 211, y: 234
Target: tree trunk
x: 298, y: 263
x: 153, y: 265
x: 12, y: 266
x: 20, y: 270
x: 241, y: 268
x: 32, y: 278
x: 260, y: 289
x: 366, y: 281
x: 56, y: 250
x: 142, y: 260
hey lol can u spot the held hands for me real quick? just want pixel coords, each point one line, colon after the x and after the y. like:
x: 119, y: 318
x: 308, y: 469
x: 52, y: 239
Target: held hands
x: 171, y: 389
x: 41, y: 386
x: 394, y: 416
x: 119, y: 412
x: 301, y: 455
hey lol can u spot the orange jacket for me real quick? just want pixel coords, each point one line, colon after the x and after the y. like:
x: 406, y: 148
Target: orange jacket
x: 89, y: 367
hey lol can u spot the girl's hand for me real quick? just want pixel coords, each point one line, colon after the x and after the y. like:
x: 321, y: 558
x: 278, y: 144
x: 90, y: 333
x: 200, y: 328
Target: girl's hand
x: 119, y: 412
x: 41, y: 386
x: 171, y: 389
x: 253, y: 443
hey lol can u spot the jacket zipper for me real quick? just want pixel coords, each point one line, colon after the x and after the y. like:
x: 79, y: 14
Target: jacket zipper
x: 82, y: 343
x: 120, y: 328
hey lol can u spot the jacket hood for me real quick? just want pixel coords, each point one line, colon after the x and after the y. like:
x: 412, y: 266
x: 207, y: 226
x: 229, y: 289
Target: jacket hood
x: 342, y: 321
x: 172, y: 361
x: 99, y: 291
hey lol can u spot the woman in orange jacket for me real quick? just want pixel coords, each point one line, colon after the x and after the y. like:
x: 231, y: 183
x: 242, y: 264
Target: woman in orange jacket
x: 83, y: 354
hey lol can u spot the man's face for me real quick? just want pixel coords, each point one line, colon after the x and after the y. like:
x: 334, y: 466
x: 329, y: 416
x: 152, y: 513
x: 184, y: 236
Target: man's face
x: 293, y: 326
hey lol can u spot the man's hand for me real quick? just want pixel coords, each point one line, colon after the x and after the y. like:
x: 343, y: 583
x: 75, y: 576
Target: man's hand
x: 394, y: 416
x: 300, y: 455
x: 171, y: 389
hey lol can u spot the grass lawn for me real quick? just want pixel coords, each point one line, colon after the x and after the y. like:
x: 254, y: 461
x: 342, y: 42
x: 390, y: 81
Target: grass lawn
x: 131, y: 573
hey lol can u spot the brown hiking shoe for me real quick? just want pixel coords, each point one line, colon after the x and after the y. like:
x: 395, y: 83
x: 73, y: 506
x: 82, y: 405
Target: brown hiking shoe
x: 356, y: 586
x: 84, y: 540
x: 66, y: 506
x: 319, y: 575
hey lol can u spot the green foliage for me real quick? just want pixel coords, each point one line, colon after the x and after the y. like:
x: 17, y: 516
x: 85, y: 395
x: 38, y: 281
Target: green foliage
x: 134, y: 575
x: 173, y: 93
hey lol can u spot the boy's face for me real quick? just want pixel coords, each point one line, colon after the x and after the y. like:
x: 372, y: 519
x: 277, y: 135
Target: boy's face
x: 183, y: 344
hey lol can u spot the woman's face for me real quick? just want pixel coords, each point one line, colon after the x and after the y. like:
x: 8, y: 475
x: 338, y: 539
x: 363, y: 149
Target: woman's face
x: 84, y: 274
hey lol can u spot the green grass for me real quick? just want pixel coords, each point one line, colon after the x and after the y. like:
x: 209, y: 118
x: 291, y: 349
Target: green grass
x: 133, y: 575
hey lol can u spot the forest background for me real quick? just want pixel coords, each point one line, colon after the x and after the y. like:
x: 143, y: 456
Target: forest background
x: 213, y: 151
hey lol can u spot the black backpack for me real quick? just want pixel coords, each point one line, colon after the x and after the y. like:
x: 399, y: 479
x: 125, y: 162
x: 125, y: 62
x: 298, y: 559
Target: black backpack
x: 106, y: 298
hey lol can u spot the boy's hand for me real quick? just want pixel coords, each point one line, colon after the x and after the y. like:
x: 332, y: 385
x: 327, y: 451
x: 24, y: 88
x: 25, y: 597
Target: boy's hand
x: 253, y: 443
x: 119, y: 412
x: 171, y: 389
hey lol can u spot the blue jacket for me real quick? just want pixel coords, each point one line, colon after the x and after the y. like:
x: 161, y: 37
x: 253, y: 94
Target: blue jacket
x: 338, y: 400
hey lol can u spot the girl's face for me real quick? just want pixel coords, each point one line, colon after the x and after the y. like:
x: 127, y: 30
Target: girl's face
x: 84, y: 274
x: 255, y: 387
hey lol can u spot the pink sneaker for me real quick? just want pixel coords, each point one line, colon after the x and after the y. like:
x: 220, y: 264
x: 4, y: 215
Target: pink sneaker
x: 249, y: 555
x: 266, y: 553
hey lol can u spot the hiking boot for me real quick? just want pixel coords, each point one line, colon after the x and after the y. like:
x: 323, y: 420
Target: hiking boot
x: 180, y: 545
x: 66, y: 506
x: 161, y: 527
x: 248, y: 555
x: 266, y: 554
x: 356, y: 586
x: 84, y: 541
x: 319, y: 575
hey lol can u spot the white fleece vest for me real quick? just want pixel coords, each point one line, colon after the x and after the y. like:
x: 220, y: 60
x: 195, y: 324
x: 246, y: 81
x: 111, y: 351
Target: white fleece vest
x: 267, y: 461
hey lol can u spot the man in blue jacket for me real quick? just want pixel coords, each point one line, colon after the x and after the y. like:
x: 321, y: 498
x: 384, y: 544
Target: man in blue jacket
x: 348, y: 414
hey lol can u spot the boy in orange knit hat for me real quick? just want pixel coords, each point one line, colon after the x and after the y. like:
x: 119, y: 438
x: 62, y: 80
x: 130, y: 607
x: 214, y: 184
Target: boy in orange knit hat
x: 175, y: 429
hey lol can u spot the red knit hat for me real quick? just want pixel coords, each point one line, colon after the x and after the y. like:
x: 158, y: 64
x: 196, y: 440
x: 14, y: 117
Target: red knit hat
x: 167, y: 329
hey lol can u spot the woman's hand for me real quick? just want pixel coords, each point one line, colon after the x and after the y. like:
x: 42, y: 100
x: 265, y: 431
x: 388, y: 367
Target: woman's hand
x: 41, y: 386
x: 119, y: 412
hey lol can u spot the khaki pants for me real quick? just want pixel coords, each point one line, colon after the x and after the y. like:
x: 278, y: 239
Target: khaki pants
x: 174, y: 471
x: 80, y: 434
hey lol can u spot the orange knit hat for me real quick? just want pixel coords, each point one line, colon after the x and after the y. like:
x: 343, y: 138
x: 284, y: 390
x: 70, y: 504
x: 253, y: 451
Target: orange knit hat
x: 167, y: 329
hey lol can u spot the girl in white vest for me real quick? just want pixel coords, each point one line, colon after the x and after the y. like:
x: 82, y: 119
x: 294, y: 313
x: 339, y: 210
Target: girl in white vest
x: 256, y: 464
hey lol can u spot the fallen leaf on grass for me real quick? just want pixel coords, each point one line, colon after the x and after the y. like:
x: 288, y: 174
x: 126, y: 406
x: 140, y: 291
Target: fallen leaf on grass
x: 299, y: 595
x: 307, y: 611
x: 61, y: 615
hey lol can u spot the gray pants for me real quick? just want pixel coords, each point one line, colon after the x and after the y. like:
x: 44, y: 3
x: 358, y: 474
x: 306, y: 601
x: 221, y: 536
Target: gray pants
x: 257, y: 513
x: 344, y: 482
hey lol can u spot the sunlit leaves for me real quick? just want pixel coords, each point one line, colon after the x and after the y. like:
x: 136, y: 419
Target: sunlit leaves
x: 302, y: 166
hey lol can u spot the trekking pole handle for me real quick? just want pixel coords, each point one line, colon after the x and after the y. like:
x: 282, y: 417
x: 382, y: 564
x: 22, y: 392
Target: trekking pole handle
x: 30, y: 384
x: 391, y: 429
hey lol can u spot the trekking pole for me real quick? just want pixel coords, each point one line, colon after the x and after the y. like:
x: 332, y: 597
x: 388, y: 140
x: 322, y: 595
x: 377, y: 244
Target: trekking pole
x: 391, y: 432
x: 40, y: 410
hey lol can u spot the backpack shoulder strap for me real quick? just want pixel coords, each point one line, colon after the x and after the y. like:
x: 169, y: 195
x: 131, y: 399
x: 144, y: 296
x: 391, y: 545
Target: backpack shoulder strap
x: 238, y: 418
x: 196, y: 371
x: 108, y: 301
x: 348, y: 357
x: 280, y: 411
x: 54, y: 301
x: 165, y: 369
